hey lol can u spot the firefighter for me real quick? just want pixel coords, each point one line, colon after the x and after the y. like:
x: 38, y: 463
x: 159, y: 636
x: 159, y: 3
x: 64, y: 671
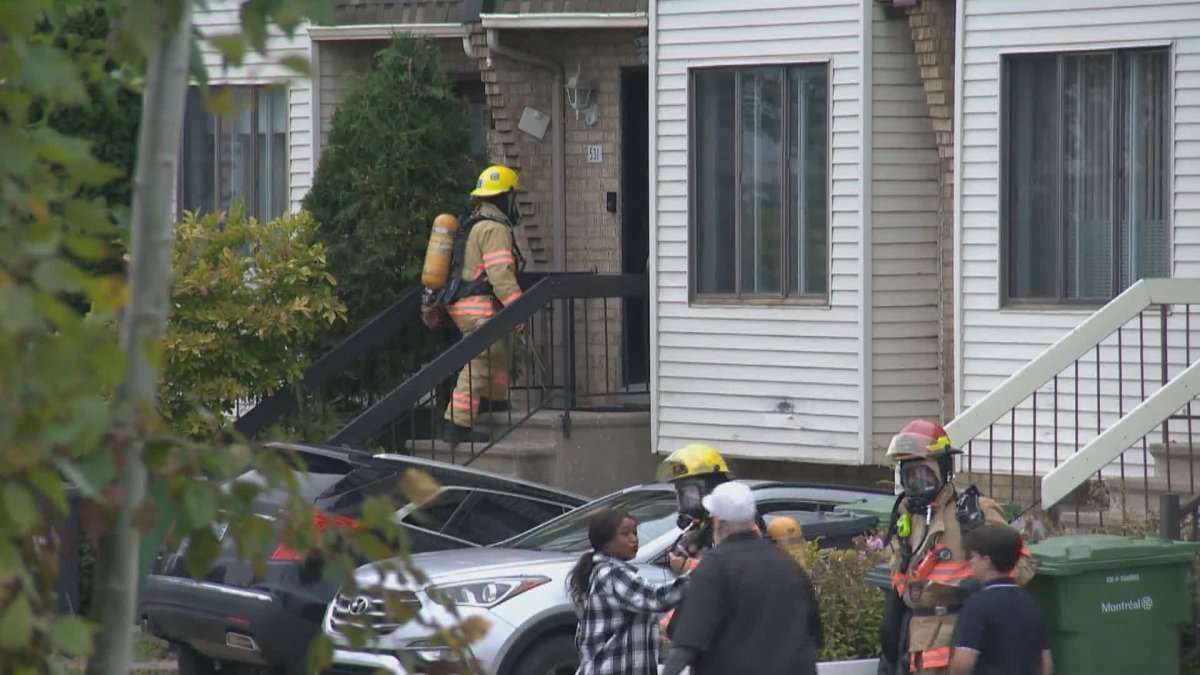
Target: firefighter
x: 930, y: 573
x: 789, y: 535
x: 483, y: 273
x: 694, y: 470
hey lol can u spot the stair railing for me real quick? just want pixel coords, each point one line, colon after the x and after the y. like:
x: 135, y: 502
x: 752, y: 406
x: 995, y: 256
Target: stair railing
x: 1074, y: 417
x: 556, y: 369
x: 366, y: 340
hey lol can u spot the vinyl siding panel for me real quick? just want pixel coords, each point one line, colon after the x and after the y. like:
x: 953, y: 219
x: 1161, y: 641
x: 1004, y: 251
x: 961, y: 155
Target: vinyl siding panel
x: 997, y: 340
x: 220, y: 17
x: 904, y: 237
x: 780, y: 382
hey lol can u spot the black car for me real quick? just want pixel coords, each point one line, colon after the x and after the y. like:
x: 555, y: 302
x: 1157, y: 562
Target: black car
x: 233, y: 621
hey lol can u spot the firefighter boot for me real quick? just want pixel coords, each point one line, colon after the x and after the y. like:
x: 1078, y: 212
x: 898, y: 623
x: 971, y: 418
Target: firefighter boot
x: 456, y: 433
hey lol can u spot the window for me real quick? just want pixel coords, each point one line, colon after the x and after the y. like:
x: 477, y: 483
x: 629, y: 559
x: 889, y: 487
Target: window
x: 1085, y: 171
x: 493, y: 517
x: 472, y: 92
x: 760, y: 166
x: 437, y: 512
x: 242, y: 158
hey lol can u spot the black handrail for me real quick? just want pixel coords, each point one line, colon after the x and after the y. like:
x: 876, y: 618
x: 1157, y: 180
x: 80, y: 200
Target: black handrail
x: 371, y: 335
x: 550, y: 288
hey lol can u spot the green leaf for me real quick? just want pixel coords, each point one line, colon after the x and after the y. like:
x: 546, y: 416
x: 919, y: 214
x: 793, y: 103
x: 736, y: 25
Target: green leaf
x: 56, y: 275
x: 21, y: 507
x: 320, y: 653
x: 199, y: 504
x: 16, y: 624
x: 50, y: 72
x: 72, y: 636
x: 17, y: 311
x: 231, y: 47
x: 201, y: 551
x: 297, y: 64
x: 152, y: 540
x: 51, y: 485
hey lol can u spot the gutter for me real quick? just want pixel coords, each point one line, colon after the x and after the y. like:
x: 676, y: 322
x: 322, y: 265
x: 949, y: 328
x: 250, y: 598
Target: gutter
x: 385, y: 31
x: 566, y: 20
x: 558, y: 206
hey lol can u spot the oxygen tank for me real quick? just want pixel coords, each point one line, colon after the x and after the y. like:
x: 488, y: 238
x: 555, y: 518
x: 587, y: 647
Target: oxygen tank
x: 437, y: 256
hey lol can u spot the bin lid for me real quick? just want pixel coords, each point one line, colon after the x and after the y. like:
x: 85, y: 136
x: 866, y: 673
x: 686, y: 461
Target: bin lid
x: 1082, y: 553
x: 878, y: 507
x: 881, y: 508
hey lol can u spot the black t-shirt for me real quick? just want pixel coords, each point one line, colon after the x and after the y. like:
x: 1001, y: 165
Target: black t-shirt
x: 749, y: 608
x: 1005, y: 626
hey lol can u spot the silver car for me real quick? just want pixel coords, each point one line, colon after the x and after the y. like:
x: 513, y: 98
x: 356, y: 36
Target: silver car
x: 519, y: 586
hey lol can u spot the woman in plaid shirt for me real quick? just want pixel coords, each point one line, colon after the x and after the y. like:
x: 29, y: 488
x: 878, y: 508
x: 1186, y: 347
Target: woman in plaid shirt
x: 617, y: 632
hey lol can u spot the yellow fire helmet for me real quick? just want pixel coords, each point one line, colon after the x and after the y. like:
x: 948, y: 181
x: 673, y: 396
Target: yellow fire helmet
x: 690, y: 461
x: 496, y: 180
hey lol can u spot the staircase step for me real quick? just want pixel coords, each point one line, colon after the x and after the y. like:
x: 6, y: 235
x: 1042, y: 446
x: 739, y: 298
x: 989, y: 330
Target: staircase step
x: 532, y: 461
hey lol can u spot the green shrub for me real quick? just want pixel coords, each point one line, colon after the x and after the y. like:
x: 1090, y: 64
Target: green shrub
x: 399, y: 153
x: 247, y: 298
x: 851, y: 610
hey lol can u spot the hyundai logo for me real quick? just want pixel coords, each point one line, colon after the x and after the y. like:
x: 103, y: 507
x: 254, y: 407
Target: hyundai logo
x: 360, y: 605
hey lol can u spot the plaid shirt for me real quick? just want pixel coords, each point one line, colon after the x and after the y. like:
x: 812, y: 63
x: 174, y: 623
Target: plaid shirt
x: 617, y: 632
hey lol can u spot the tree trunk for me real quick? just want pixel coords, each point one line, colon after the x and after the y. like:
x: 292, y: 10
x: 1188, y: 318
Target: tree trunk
x: 142, y: 328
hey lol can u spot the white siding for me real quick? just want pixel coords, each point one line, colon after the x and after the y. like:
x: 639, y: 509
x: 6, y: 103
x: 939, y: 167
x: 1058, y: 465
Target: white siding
x: 995, y: 340
x: 724, y: 374
x: 220, y: 17
x: 904, y: 236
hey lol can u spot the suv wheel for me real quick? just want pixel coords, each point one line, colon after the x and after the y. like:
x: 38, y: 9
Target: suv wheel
x: 192, y: 662
x: 555, y: 655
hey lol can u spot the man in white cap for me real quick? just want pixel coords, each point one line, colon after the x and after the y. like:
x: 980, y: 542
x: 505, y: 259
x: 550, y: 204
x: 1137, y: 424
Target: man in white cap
x: 748, y: 607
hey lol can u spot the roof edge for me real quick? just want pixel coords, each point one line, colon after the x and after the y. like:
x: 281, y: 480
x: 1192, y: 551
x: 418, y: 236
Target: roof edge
x: 565, y: 20
x: 385, y: 31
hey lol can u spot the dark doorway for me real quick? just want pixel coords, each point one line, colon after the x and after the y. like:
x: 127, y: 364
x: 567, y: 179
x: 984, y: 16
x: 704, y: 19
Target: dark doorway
x: 635, y: 219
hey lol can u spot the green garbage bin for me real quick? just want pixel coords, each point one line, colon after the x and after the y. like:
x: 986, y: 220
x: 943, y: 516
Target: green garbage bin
x: 1113, y: 604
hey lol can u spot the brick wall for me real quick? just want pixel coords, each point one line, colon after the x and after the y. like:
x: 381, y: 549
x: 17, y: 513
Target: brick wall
x: 593, y: 241
x: 341, y: 60
x: 932, y: 25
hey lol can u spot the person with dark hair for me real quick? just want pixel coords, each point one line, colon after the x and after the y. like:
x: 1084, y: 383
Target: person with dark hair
x: 617, y: 633
x: 1000, y: 630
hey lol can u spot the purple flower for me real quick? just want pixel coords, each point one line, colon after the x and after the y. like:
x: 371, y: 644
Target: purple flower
x: 874, y: 543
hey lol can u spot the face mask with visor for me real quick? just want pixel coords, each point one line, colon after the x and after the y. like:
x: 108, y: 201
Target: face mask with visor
x: 919, y: 480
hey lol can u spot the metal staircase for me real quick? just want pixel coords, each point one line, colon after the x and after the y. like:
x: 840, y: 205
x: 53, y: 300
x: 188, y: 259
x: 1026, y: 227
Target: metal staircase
x: 567, y: 361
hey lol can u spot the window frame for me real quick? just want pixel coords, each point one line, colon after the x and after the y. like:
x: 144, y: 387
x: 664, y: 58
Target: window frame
x: 739, y: 297
x: 255, y: 89
x: 1006, y: 255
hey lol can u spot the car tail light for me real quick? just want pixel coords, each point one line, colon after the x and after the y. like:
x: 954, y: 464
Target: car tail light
x: 321, y: 521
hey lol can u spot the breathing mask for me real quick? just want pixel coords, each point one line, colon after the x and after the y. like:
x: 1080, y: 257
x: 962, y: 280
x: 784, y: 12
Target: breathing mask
x: 921, y: 482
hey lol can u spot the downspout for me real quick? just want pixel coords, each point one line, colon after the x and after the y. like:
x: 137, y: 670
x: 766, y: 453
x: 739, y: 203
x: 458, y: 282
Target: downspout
x: 558, y: 193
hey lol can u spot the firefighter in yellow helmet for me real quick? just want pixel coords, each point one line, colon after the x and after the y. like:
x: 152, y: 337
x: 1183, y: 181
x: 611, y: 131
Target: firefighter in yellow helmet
x: 787, y: 533
x: 483, y: 279
x: 930, y: 573
x: 694, y: 470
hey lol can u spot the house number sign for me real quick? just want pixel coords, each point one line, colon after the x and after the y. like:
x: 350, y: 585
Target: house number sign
x: 595, y: 154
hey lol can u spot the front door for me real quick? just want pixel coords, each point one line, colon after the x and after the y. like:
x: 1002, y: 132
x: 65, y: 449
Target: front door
x: 635, y: 220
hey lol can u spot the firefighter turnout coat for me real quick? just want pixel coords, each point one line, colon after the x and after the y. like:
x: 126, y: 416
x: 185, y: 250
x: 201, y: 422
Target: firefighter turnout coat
x: 490, y: 254
x: 937, y: 568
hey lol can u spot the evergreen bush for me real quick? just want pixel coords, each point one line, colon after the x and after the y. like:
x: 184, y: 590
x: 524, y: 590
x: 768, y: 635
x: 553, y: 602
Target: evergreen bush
x: 398, y: 154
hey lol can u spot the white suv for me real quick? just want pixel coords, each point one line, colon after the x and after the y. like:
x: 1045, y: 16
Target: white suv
x: 519, y: 586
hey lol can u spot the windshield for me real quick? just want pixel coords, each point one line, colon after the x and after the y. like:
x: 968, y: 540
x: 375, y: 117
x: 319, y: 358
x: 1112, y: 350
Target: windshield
x: 654, y: 510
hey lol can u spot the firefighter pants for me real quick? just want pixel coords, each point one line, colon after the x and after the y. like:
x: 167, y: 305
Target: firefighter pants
x: 486, y: 375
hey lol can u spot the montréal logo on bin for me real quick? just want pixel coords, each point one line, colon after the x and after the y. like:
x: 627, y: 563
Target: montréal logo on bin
x: 1145, y: 603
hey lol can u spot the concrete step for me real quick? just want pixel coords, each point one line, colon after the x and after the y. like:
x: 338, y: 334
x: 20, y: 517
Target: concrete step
x: 532, y: 461
x: 1177, y: 460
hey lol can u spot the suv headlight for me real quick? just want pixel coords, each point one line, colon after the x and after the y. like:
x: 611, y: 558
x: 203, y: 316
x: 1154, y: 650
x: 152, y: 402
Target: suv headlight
x: 487, y: 593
